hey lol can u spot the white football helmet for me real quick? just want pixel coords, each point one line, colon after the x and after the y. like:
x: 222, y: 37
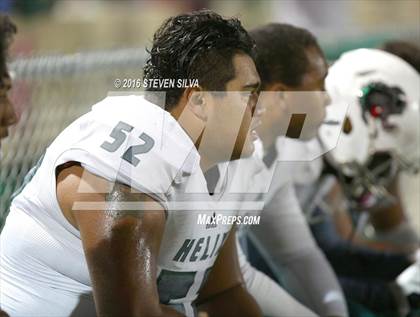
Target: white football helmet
x: 381, y: 130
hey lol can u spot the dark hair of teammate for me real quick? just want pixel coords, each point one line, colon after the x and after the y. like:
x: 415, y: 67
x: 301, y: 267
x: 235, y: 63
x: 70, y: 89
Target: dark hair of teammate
x: 409, y: 52
x: 281, y: 53
x: 198, y: 45
x: 7, y: 30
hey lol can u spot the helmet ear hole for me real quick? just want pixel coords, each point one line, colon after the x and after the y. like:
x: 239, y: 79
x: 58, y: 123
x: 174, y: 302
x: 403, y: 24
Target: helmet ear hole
x: 380, y: 100
x: 347, y: 126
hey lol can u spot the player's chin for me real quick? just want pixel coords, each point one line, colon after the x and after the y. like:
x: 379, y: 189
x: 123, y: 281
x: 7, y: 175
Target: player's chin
x: 244, y: 148
x: 310, y: 133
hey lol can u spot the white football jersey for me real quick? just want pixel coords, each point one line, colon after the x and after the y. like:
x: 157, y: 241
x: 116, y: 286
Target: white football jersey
x: 283, y: 237
x: 292, y: 163
x: 132, y: 141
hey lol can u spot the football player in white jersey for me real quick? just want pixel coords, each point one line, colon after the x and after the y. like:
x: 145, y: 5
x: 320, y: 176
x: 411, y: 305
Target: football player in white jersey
x: 381, y: 144
x: 391, y: 230
x: 106, y: 224
x: 290, y: 61
x: 7, y: 114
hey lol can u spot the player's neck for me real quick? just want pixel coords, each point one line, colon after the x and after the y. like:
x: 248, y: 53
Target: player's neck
x: 267, y: 137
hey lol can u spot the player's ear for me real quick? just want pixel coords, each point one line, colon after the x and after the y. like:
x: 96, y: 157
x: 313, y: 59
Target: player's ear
x: 197, y: 102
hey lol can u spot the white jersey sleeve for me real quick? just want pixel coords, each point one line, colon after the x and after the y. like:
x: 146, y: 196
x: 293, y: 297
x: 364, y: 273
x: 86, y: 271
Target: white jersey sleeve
x: 284, y: 236
x: 123, y: 140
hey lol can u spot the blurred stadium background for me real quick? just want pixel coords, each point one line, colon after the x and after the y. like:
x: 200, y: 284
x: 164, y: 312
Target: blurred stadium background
x: 67, y: 55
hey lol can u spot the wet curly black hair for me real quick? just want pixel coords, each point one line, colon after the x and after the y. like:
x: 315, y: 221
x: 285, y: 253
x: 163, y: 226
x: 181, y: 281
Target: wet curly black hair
x: 7, y: 31
x: 197, y: 45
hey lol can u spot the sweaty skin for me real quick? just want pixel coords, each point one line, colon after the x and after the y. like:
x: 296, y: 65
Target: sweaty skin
x: 121, y: 247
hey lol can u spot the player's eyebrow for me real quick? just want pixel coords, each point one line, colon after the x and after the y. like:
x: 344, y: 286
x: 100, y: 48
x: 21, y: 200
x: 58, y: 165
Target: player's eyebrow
x: 252, y: 86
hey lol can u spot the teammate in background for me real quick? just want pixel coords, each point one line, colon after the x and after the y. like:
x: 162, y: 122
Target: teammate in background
x: 362, y: 171
x: 289, y: 61
x: 389, y: 221
x: 97, y: 230
x: 395, y: 235
x: 7, y: 114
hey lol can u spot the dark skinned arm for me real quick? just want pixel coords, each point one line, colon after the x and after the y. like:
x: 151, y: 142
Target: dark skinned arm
x: 390, y: 216
x: 3, y: 313
x: 224, y: 293
x: 121, y: 246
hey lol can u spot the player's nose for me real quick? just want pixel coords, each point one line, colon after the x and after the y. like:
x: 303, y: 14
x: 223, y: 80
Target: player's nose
x: 8, y: 114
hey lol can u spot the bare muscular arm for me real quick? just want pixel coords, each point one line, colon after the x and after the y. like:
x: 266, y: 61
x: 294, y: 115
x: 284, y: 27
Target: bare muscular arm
x: 121, y: 246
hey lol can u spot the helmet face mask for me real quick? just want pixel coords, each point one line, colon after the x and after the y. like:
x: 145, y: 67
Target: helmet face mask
x: 382, y: 94
x: 367, y: 189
